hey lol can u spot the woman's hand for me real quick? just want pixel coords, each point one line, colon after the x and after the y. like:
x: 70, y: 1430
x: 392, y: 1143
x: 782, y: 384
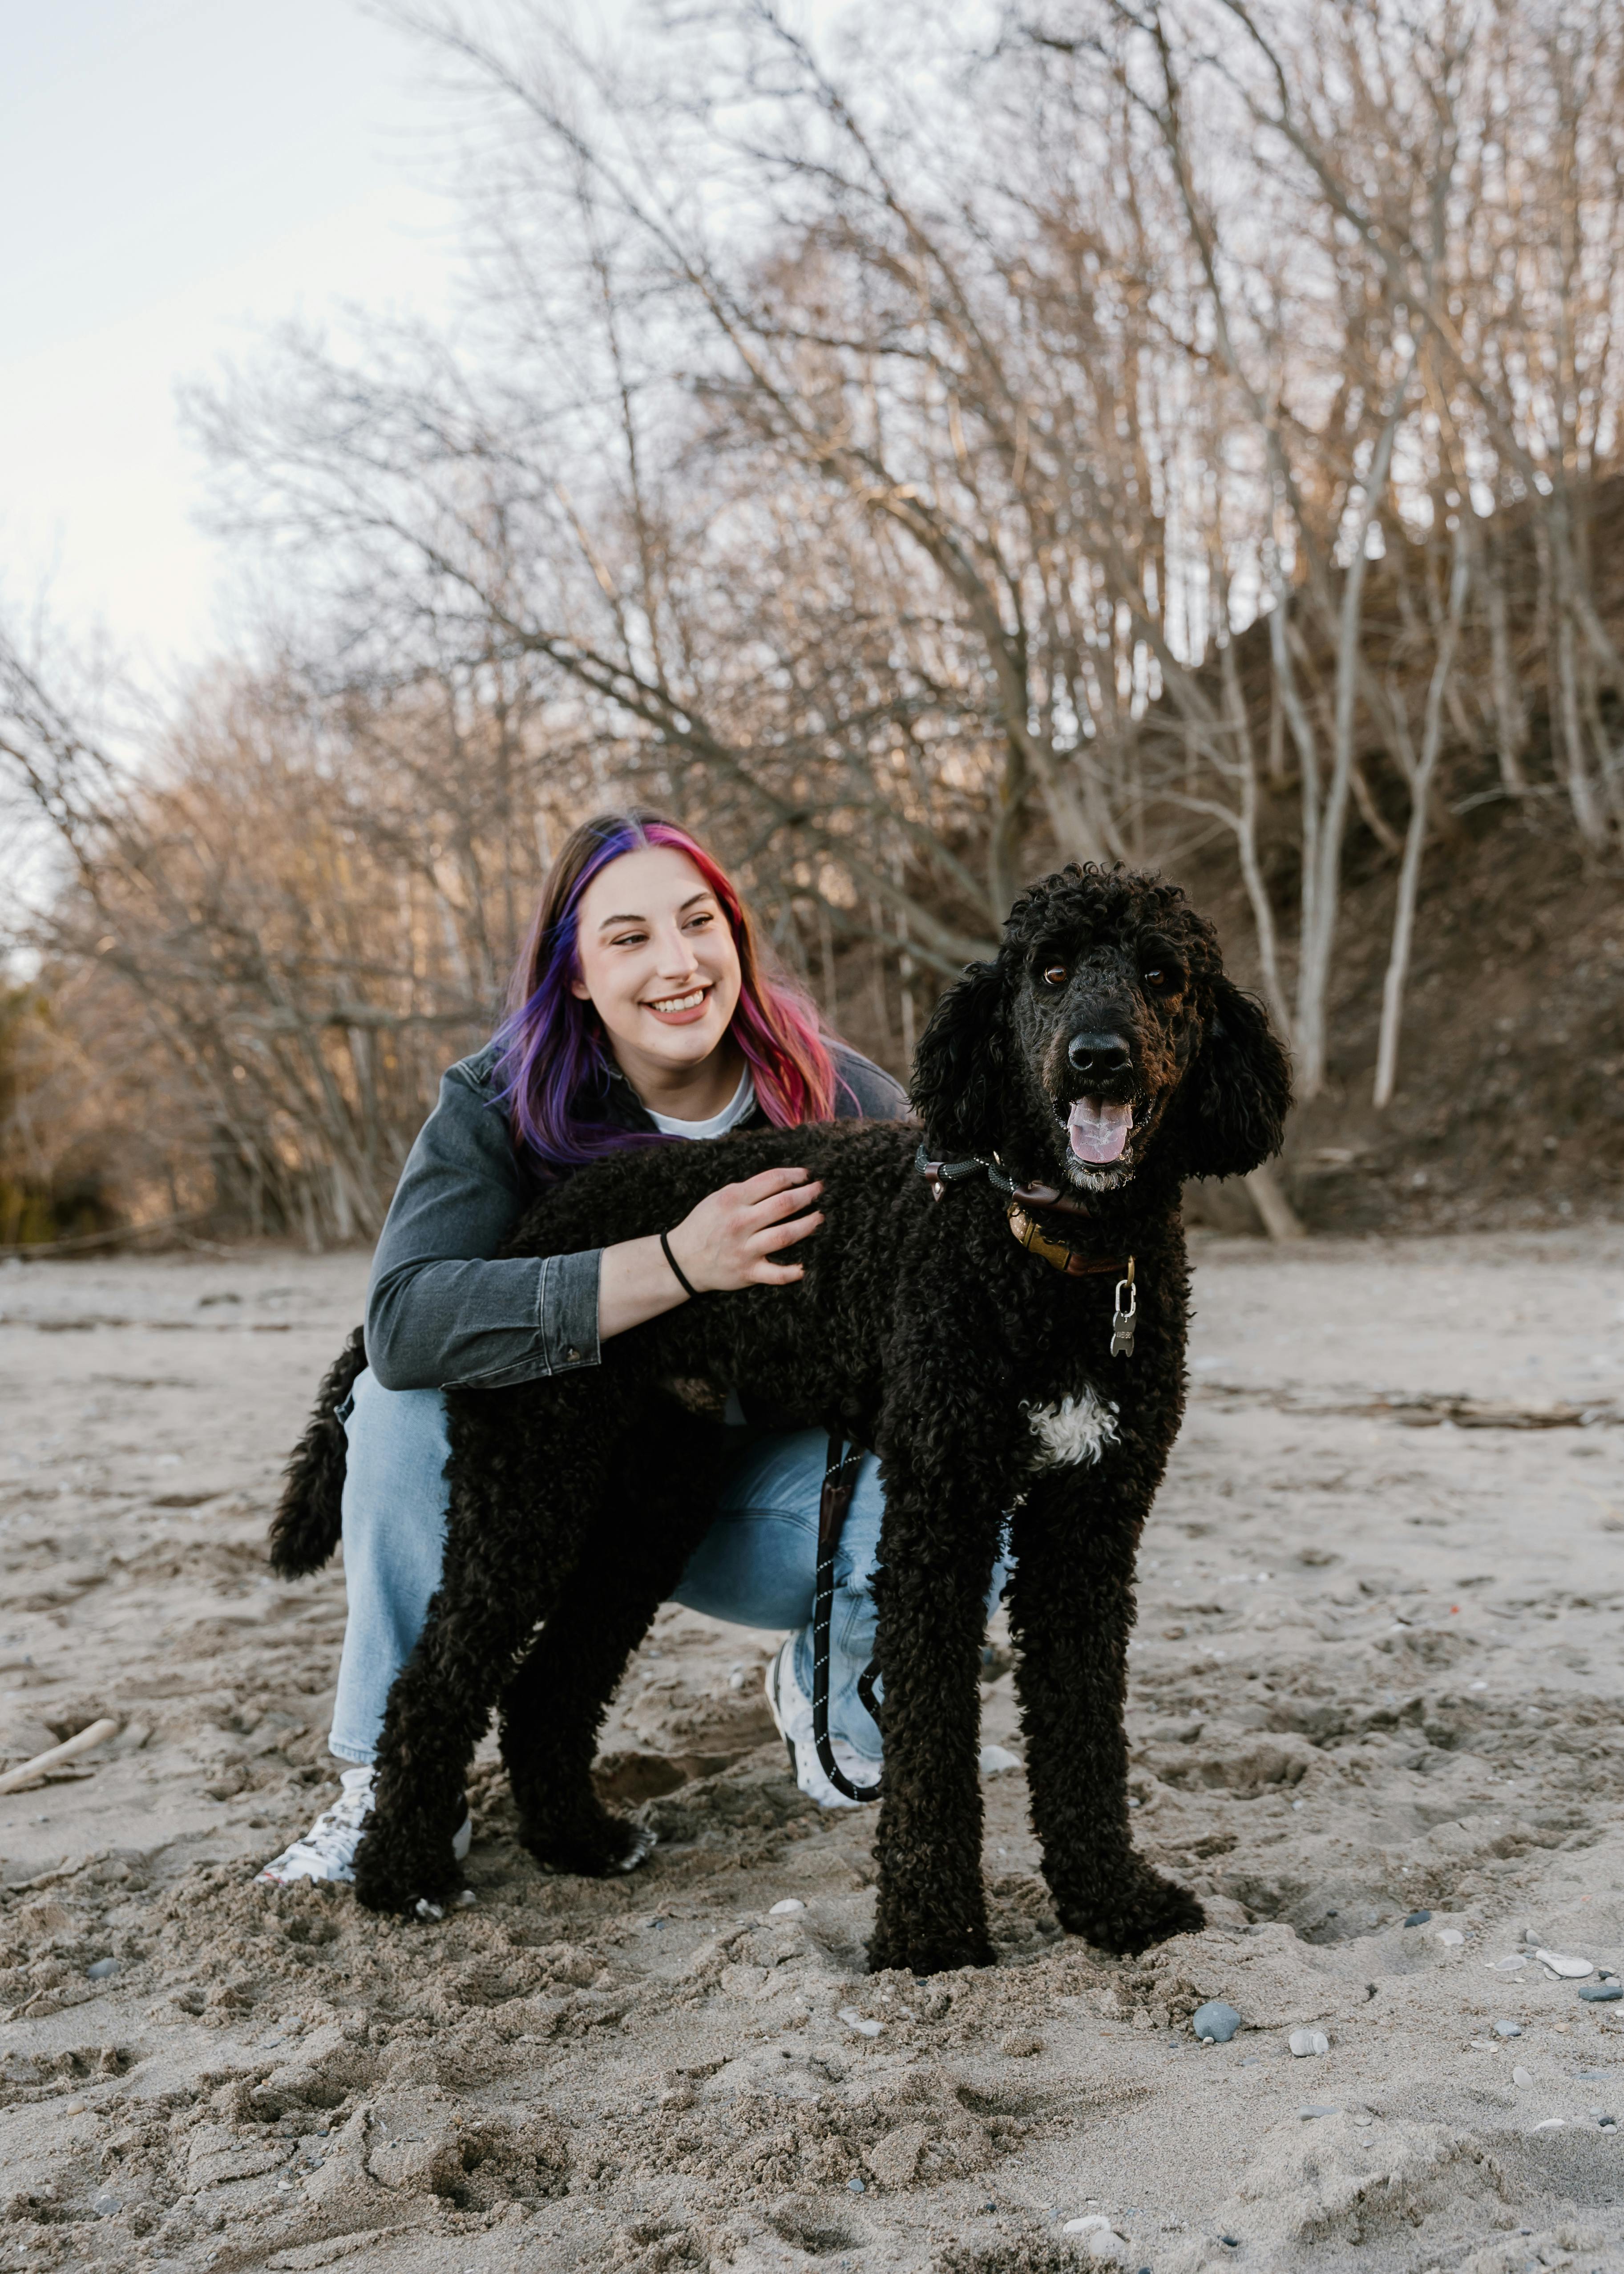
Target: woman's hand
x: 735, y: 1238
x: 740, y: 1235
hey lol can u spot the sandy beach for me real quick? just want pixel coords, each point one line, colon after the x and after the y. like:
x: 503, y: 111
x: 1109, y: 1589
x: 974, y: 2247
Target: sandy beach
x: 1375, y: 1712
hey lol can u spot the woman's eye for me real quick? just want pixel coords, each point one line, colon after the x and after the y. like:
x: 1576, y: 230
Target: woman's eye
x: 1054, y: 975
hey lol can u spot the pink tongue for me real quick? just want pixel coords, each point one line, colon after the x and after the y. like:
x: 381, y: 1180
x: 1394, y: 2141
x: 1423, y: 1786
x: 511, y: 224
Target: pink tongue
x: 1099, y: 1127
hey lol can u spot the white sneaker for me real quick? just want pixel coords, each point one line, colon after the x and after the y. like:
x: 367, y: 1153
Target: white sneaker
x: 791, y: 1713
x: 328, y: 1851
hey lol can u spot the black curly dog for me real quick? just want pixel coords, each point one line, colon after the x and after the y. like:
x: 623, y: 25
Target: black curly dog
x: 978, y: 1368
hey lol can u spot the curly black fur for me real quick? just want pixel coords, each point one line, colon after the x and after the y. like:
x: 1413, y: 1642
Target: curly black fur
x: 934, y: 1338
x: 305, y: 1528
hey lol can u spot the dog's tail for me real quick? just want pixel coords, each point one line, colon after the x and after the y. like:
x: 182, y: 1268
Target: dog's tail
x: 305, y: 1531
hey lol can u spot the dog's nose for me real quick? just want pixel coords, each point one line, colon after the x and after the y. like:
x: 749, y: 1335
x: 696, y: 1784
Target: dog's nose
x: 1099, y: 1054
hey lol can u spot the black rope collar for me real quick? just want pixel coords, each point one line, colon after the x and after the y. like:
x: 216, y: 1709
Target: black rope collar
x: 943, y: 1175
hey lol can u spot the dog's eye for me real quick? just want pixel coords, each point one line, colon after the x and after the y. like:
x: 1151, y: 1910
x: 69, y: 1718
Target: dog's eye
x: 1054, y: 975
x: 1162, y: 978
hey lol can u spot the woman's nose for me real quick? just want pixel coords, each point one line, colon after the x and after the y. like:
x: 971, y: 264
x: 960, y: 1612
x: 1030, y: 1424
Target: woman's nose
x: 677, y: 959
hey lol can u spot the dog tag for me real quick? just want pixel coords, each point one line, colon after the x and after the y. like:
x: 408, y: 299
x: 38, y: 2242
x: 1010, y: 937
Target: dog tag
x: 1125, y: 1316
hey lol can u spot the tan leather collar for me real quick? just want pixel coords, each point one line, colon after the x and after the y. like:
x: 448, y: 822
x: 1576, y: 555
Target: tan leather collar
x: 1036, y: 1241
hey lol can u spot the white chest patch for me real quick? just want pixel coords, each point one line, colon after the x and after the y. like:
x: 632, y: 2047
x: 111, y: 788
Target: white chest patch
x: 1076, y: 1429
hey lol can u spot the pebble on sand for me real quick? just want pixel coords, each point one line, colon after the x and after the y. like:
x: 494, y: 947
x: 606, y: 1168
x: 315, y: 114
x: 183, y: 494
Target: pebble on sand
x: 1311, y: 2109
x: 1601, y: 1993
x: 1451, y: 1937
x: 996, y: 1759
x: 1216, y: 2023
x: 1570, y: 1970
x: 1418, y: 1918
x: 854, y: 2020
x: 102, y: 1971
x: 1304, y: 2042
x: 1099, y: 2239
x: 1521, y: 2077
x: 787, y: 1908
x: 1508, y: 2029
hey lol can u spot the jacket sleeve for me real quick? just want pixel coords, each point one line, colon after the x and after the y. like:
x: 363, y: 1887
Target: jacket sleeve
x: 438, y: 1309
x: 865, y: 1092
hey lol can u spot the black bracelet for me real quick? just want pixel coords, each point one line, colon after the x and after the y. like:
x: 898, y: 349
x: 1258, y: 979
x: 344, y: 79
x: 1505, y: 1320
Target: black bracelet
x: 683, y: 1281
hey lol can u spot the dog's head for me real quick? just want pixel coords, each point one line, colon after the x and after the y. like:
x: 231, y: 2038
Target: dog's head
x: 1103, y: 1033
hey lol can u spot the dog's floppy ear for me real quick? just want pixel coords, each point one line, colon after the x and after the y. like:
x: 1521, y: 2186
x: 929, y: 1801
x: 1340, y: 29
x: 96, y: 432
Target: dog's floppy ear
x: 957, y: 1084
x: 1241, y: 1088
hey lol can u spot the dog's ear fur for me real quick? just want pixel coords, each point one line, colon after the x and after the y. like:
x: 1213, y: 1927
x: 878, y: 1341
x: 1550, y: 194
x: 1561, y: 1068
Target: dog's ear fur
x: 1241, y: 1088
x: 959, y: 1068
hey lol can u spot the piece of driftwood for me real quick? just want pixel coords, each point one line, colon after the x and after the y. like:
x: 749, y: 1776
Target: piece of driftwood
x: 1422, y: 1411
x: 83, y: 1741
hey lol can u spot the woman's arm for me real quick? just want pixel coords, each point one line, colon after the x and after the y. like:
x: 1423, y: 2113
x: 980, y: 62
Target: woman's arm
x: 438, y: 1309
x: 439, y: 1312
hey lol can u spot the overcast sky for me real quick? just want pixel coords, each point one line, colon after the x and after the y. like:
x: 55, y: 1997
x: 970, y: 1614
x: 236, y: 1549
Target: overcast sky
x: 176, y: 176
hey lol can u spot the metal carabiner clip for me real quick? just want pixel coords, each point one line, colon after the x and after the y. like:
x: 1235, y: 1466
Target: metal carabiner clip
x: 1125, y: 1316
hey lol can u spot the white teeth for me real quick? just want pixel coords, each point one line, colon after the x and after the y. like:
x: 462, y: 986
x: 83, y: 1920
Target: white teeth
x: 680, y: 1002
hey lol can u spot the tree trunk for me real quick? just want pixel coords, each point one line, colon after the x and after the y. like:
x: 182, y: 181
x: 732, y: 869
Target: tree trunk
x: 1415, y: 838
x: 1319, y: 925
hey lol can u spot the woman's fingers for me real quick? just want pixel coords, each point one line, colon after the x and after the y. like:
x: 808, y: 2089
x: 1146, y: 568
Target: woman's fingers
x: 777, y: 1206
x: 767, y: 1181
x: 777, y: 1236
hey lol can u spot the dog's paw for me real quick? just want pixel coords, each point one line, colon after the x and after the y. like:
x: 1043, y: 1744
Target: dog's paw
x: 409, y: 1885
x: 1135, y: 1910
x: 599, y: 1848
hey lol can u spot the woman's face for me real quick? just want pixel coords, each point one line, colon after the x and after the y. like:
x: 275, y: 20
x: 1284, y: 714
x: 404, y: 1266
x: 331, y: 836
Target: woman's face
x: 656, y: 959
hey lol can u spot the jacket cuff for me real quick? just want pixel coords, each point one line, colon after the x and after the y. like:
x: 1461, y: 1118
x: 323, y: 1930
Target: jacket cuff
x: 567, y: 1310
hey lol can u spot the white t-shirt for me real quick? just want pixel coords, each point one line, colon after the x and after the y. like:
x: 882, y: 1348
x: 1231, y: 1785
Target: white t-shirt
x: 741, y: 1103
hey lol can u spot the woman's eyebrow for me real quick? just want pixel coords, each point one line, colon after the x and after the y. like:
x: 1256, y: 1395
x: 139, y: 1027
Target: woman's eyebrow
x: 704, y: 893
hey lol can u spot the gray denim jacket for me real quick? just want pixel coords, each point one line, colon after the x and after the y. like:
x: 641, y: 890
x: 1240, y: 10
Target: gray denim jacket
x: 438, y: 1309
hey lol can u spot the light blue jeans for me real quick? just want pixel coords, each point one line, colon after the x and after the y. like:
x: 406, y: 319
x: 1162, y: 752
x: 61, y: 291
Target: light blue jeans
x: 755, y: 1567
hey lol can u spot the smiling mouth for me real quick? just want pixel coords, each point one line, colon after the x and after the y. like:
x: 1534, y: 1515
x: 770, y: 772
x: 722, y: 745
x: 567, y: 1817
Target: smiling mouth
x: 1098, y: 1129
x: 676, y: 1006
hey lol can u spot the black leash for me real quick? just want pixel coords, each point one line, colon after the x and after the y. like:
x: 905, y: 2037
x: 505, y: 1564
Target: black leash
x: 839, y: 1483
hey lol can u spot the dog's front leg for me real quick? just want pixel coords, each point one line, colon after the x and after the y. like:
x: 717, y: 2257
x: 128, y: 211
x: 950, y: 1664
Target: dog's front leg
x: 938, y: 1548
x: 1071, y: 1611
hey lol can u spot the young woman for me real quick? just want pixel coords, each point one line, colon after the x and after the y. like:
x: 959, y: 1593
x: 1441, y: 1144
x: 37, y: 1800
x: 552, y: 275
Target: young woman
x: 641, y: 1010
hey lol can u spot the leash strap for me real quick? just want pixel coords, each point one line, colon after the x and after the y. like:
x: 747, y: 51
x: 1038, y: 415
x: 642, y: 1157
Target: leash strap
x: 839, y: 1483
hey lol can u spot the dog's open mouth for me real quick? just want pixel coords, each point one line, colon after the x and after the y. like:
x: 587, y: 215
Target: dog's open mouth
x: 1098, y: 1129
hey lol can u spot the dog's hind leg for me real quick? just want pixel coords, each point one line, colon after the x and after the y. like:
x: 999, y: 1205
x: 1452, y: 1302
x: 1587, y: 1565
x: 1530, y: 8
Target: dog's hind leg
x: 659, y: 1500
x: 1070, y: 1612
x: 509, y: 1550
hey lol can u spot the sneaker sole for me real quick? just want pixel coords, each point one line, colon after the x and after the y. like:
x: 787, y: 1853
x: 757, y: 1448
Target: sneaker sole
x: 461, y: 1840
